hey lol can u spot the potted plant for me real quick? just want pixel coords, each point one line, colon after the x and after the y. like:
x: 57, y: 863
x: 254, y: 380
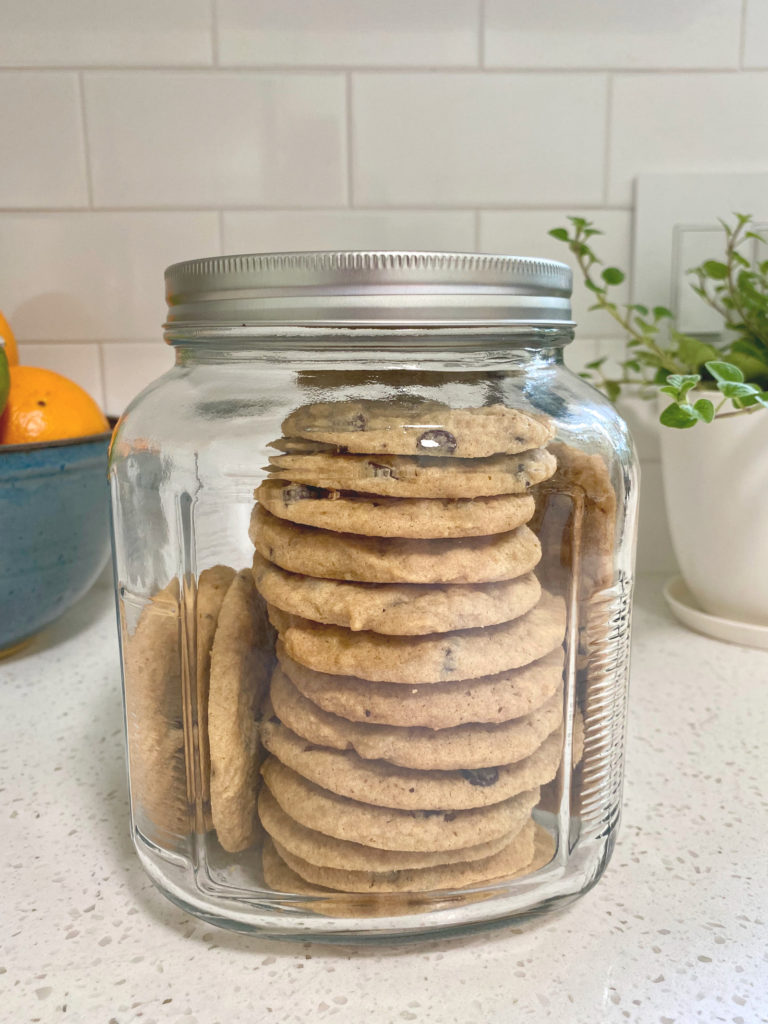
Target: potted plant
x: 714, y: 447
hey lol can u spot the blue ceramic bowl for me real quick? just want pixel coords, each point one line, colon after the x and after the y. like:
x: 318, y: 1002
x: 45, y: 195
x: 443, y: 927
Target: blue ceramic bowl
x: 54, y: 530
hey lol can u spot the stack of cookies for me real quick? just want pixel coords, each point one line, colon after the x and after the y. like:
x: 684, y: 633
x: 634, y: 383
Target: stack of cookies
x: 416, y: 705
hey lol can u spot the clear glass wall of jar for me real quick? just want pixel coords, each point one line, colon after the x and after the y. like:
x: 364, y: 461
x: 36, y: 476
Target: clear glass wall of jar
x: 374, y: 546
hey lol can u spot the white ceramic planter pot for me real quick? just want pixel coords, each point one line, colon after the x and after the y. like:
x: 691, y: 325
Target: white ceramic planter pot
x: 716, y: 493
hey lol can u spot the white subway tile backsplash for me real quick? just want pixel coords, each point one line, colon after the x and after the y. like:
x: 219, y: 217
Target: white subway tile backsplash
x: 78, y: 362
x: 525, y: 233
x: 430, y: 33
x: 756, y: 34
x: 471, y: 139
x: 90, y: 276
x: 105, y: 32
x: 686, y: 123
x: 224, y: 139
x: 279, y: 230
x: 42, y: 162
x: 595, y: 34
x: 129, y: 367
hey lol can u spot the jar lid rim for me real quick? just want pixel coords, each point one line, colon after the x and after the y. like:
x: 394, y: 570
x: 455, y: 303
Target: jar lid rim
x: 395, y: 287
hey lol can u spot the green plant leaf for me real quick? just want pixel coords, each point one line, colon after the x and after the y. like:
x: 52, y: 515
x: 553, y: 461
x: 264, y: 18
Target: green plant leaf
x: 746, y: 285
x: 659, y: 313
x: 705, y: 409
x: 679, y: 416
x: 612, y: 389
x: 751, y: 347
x: 724, y: 371
x: 561, y: 234
x: 678, y: 385
x: 689, y: 380
x: 612, y: 275
x: 651, y: 359
x: 754, y: 370
x: 639, y: 308
x: 692, y: 352
x: 736, y: 389
x: 715, y: 269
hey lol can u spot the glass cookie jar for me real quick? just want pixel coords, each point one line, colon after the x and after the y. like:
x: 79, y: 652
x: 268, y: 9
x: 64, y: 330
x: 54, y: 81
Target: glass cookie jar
x: 374, y: 550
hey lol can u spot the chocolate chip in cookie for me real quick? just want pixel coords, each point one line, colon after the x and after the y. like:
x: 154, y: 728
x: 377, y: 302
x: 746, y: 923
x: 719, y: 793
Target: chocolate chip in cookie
x: 435, y: 442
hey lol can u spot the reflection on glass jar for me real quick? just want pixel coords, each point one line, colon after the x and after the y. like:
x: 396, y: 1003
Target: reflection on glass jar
x: 374, y: 547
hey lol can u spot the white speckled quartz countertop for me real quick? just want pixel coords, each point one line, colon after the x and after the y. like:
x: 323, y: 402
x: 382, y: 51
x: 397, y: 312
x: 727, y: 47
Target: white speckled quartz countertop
x: 674, y: 932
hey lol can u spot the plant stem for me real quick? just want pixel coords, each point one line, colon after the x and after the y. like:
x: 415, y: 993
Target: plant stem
x: 730, y: 248
x: 732, y: 243
x: 664, y: 357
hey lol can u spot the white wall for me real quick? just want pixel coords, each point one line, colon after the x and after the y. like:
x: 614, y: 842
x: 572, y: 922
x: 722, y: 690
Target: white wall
x: 136, y: 134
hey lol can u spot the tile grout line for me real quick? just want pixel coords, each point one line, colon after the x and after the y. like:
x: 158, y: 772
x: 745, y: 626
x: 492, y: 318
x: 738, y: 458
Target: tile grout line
x: 743, y: 34
x: 152, y: 340
x: 100, y: 340
x: 481, y: 35
x: 468, y: 207
x: 291, y: 70
x: 102, y: 375
x: 215, y: 41
x: 349, y: 138
x: 86, y: 140
x: 608, y: 134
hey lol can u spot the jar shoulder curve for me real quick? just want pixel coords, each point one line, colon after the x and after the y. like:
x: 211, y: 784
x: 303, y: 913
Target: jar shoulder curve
x: 583, y: 415
x: 149, y: 415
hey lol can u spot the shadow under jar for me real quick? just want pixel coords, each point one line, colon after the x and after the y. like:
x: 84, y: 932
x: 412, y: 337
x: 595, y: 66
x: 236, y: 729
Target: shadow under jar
x: 374, y: 548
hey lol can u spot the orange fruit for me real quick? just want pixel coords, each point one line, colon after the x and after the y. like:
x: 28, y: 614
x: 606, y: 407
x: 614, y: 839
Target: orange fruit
x: 5, y: 378
x: 6, y: 335
x: 44, y: 406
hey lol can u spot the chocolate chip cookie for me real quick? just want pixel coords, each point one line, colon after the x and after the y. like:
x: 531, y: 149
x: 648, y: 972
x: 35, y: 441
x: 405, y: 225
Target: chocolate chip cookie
x: 379, y: 516
x: 398, y: 609
x: 404, y: 476
x: 414, y: 427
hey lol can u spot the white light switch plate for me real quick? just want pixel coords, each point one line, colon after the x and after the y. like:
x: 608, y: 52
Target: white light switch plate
x: 676, y: 227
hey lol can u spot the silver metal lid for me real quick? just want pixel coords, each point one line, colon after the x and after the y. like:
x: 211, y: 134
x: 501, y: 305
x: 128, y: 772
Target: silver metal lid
x: 368, y: 289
